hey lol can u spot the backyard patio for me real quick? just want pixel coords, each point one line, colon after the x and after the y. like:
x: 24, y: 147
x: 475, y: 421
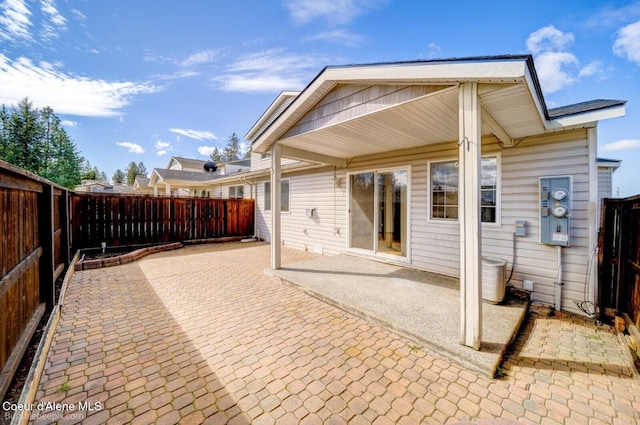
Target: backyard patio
x: 202, y: 335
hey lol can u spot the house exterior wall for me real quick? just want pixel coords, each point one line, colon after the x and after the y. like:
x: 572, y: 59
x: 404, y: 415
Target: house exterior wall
x: 434, y: 244
x: 258, y: 162
x: 605, y: 185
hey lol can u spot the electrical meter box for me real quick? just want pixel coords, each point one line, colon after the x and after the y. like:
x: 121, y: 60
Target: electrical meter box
x: 555, y: 210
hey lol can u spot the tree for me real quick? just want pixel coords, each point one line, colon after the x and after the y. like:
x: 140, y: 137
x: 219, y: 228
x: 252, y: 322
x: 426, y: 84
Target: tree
x: 131, y: 172
x: 142, y: 170
x: 216, y: 155
x: 92, y: 173
x: 34, y: 139
x: 118, y: 177
x: 231, y: 151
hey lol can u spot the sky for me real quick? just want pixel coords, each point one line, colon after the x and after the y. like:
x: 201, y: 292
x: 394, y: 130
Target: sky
x: 145, y: 80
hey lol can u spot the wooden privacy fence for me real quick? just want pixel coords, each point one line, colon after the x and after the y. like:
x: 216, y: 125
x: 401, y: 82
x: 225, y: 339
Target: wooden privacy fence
x: 133, y: 220
x: 34, y: 251
x: 619, y: 258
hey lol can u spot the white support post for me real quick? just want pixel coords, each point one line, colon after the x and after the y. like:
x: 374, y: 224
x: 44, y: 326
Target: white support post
x: 469, y: 216
x: 276, y: 194
x: 594, y: 210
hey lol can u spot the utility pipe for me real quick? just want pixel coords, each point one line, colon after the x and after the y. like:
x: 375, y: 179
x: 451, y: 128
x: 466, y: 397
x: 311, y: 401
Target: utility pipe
x: 559, y: 280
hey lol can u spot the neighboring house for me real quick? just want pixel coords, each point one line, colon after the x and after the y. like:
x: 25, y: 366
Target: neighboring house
x: 92, y: 186
x: 391, y: 168
x: 104, y: 187
x: 141, y: 185
x: 606, y: 168
x: 185, y: 177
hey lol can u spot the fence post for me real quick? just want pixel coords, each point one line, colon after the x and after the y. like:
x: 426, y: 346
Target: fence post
x: 45, y: 231
x: 65, y: 246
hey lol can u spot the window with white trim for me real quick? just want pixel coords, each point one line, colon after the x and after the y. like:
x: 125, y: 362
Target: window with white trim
x: 284, y: 196
x: 444, y: 190
x: 236, y: 192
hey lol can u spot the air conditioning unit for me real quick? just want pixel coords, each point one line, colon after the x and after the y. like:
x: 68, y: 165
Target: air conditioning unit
x: 493, y: 280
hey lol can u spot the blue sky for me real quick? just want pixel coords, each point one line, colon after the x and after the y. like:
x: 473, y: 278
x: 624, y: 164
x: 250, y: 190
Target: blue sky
x: 144, y: 80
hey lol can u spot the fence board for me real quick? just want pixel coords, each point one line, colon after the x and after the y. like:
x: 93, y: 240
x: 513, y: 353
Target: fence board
x: 30, y: 254
x: 135, y: 220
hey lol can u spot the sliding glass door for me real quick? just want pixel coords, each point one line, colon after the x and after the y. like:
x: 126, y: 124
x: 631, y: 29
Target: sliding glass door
x: 378, y: 212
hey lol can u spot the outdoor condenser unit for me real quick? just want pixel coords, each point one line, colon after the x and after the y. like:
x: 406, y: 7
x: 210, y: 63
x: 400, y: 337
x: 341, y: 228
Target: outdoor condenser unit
x: 493, y: 280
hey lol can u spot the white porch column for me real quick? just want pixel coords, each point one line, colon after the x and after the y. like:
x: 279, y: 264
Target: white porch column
x: 275, y: 206
x: 469, y: 154
x: 155, y: 190
x: 167, y: 189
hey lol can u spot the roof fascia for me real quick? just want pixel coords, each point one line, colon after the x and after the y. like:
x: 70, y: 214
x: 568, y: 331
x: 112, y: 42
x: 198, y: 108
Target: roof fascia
x: 265, y: 116
x: 484, y: 70
x: 585, y: 118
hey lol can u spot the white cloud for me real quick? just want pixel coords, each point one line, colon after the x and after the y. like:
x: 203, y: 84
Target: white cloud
x: 203, y: 57
x: 205, y: 150
x: 627, y: 42
x: 593, y: 69
x: 548, y: 39
x: 15, y: 20
x: 133, y: 147
x: 433, y: 50
x: 551, y: 68
x: 244, y: 147
x: 56, y: 22
x: 556, y: 67
x: 45, y: 85
x: 334, y: 11
x: 194, y: 134
x: 271, y: 70
x: 620, y: 145
x: 339, y: 36
x: 79, y: 15
x: 69, y: 123
x: 162, y: 147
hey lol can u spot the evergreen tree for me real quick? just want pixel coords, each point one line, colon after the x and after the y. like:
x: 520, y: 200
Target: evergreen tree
x: 34, y: 139
x: 232, y: 149
x: 131, y: 172
x: 118, y: 177
x: 216, y: 155
x: 142, y: 170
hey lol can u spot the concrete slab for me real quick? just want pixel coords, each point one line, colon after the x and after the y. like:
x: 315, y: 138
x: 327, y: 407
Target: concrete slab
x: 422, y: 306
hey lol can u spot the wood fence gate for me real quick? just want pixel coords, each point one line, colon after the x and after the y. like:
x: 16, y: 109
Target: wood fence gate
x: 619, y: 258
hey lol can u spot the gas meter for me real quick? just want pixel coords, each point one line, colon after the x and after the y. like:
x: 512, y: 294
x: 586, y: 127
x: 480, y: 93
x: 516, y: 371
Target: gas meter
x: 555, y: 210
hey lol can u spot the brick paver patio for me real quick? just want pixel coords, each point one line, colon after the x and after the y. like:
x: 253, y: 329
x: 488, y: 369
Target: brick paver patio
x: 201, y: 335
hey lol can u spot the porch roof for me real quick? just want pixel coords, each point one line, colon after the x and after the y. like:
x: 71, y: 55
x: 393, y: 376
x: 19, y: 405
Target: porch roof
x: 512, y: 103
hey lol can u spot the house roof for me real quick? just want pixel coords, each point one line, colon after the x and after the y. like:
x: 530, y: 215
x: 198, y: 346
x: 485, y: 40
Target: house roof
x: 582, y: 107
x: 426, y: 112
x: 141, y: 181
x: 187, y: 162
x: 280, y: 103
x: 611, y: 163
x: 193, y: 176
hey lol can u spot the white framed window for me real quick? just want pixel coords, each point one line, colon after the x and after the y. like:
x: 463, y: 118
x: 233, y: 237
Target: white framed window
x: 236, y: 192
x: 444, y: 190
x: 284, y: 196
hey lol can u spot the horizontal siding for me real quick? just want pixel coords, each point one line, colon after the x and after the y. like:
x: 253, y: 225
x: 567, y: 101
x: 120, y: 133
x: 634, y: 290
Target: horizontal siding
x: 435, y: 244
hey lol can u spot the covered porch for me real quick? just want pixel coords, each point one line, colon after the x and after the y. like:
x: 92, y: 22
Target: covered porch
x: 349, y: 114
x: 422, y: 306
